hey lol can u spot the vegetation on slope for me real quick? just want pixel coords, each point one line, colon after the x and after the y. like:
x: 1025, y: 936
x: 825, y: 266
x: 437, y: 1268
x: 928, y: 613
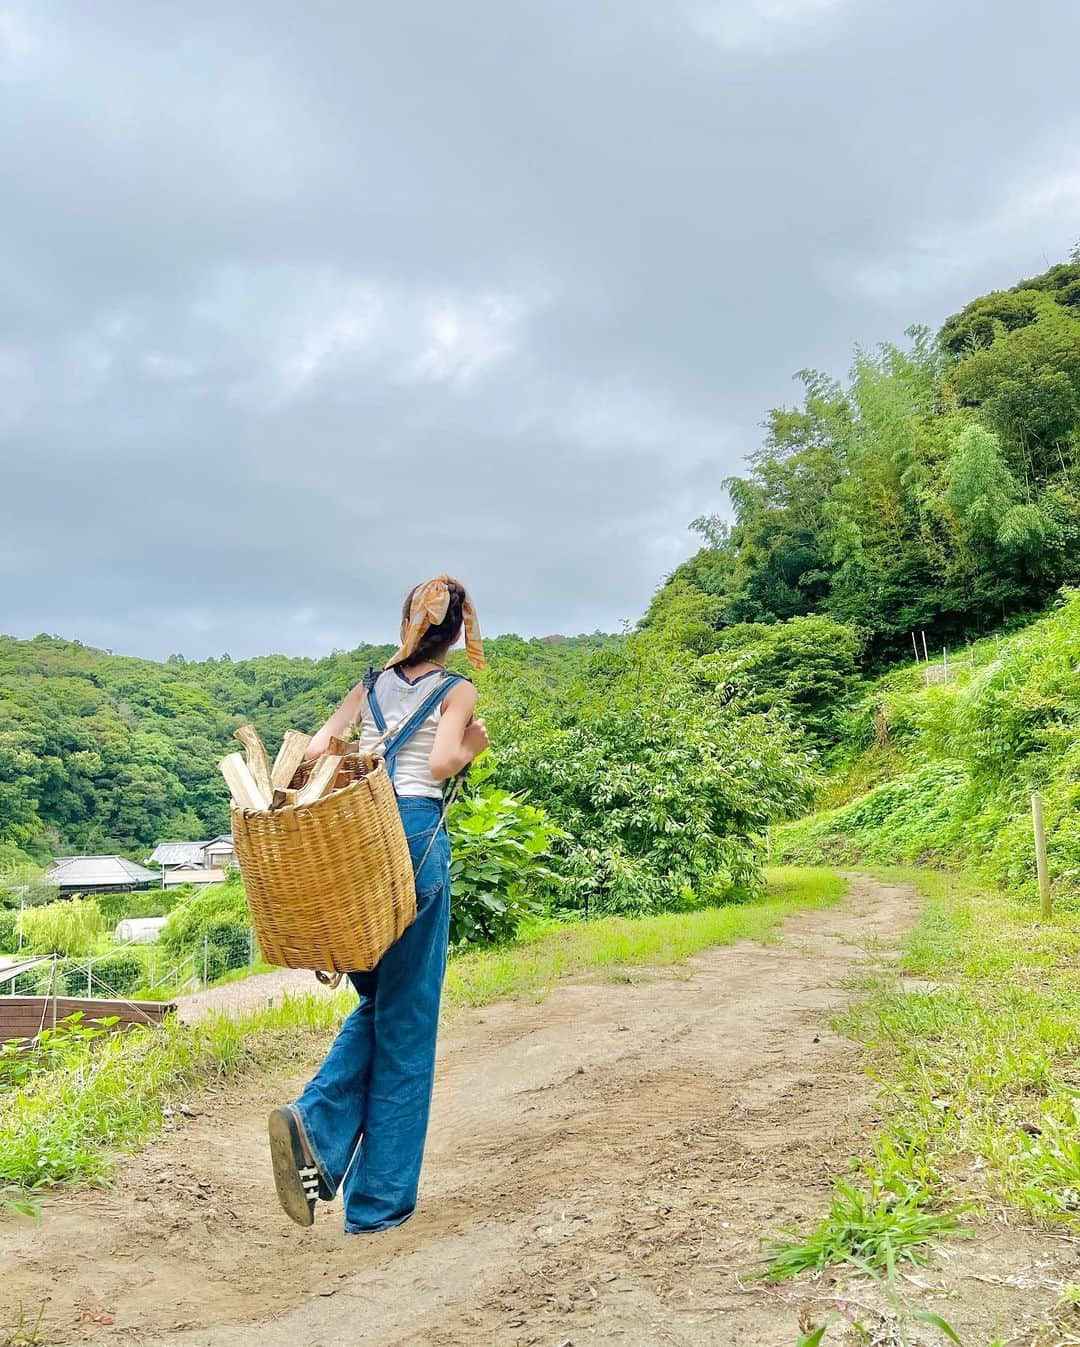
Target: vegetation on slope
x: 951, y: 766
x: 939, y: 489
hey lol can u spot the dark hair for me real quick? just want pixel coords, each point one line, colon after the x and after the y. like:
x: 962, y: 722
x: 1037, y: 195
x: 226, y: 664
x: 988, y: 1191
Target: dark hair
x: 438, y: 639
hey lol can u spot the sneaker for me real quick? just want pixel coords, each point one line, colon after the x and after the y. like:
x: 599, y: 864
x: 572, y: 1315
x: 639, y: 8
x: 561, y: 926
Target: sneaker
x: 296, y: 1176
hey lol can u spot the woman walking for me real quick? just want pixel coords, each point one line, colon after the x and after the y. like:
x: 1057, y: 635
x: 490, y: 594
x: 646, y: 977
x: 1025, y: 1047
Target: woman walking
x: 360, y: 1124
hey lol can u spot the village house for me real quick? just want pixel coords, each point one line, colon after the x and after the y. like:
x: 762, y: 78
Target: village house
x: 96, y: 874
x: 193, y: 862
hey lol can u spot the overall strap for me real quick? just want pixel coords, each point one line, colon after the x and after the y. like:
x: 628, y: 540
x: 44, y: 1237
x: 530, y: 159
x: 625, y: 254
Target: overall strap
x: 373, y: 705
x: 404, y: 732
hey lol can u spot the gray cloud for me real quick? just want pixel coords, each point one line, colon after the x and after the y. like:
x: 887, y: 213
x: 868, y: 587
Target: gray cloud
x: 303, y: 303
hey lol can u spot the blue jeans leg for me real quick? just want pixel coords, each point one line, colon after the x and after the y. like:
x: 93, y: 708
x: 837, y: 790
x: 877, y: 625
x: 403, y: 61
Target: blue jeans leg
x: 332, y: 1106
x: 366, y: 1111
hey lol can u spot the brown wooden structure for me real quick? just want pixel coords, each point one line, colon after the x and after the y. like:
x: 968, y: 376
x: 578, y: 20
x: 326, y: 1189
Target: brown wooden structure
x: 23, y: 1017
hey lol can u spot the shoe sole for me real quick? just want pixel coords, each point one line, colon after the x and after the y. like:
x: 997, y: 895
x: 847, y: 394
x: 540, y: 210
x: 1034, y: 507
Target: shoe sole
x: 284, y: 1144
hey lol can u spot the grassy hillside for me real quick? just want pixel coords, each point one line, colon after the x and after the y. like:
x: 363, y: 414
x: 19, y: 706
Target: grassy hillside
x: 944, y: 772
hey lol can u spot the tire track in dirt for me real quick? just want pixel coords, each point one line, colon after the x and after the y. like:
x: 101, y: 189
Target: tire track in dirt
x: 602, y: 1167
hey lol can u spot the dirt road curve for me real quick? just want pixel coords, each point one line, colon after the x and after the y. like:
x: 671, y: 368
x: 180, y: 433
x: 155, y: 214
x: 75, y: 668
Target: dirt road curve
x: 601, y: 1169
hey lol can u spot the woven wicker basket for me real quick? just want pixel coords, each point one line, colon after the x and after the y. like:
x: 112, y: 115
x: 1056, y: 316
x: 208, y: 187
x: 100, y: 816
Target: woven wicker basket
x: 330, y: 884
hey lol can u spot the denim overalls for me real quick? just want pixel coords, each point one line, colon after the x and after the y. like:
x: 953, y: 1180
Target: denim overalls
x: 365, y: 1112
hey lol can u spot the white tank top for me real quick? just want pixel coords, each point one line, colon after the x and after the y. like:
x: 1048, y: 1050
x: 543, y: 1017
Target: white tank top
x: 398, y: 699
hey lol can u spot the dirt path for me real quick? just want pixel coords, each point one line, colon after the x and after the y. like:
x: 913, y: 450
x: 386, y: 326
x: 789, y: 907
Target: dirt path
x: 249, y: 993
x: 601, y: 1169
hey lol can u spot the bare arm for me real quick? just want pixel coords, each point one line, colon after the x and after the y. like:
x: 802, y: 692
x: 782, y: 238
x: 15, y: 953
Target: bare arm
x: 459, y: 738
x: 342, y: 720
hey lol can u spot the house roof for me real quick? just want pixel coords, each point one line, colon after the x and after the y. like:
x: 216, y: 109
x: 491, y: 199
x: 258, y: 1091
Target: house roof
x: 187, y: 853
x: 177, y: 853
x: 88, y: 871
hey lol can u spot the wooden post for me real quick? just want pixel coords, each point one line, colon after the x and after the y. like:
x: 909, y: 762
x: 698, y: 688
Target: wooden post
x: 915, y: 647
x: 925, y: 650
x: 1045, y: 901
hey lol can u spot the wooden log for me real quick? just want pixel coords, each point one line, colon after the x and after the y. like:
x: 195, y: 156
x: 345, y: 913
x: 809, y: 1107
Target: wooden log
x: 242, y: 787
x: 290, y: 756
x: 321, y: 779
x: 257, y: 763
x: 338, y: 747
x: 281, y: 798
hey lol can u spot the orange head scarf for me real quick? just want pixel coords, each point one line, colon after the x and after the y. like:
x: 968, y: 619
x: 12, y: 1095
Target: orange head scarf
x: 428, y: 607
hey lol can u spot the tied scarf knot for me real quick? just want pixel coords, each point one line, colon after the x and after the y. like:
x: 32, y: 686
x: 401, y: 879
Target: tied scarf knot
x: 428, y: 606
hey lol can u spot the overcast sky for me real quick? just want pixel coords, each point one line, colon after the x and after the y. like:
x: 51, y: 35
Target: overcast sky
x: 303, y: 302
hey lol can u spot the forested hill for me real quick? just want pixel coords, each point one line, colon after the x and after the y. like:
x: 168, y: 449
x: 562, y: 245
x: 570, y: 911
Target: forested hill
x: 105, y: 752
x: 937, y: 488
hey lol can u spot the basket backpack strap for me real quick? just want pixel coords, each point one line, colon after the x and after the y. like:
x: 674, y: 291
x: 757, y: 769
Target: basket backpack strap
x: 404, y: 732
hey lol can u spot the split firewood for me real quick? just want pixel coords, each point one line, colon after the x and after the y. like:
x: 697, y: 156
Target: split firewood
x: 321, y: 780
x: 281, y: 798
x: 242, y: 787
x: 290, y: 756
x: 256, y: 758
x: 338, y: 747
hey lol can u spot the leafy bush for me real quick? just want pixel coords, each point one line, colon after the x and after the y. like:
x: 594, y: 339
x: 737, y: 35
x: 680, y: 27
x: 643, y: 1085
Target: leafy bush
x: 55, y: 1048
x: 214, y: 922
x: 9, y: 921
x: 116, y: 907
x: 70, y: 926
x: 501, y: 847
x: 122, y: 972
x: 660, y: 787
x: 808, y: 664
x: 23, y: 886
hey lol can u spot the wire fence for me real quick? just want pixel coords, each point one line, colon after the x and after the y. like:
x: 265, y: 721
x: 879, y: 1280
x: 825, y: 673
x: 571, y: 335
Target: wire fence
x: 139, y: 968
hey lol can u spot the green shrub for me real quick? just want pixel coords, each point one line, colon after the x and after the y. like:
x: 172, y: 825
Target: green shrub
x: 121, y: 972
x: 70, y: 926
x: 501, y: 847
x: 214, y: 925
x: 9, y: 921
x: 660, y: 787
x: 116, y: 907
x: 808, y: 665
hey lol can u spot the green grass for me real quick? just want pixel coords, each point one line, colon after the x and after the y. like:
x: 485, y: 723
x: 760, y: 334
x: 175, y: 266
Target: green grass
x: 532, y: 965
x: 985, y: 1063
x: 69, y: 1124
x: 979, y: 1067
x: 26, y: 1332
